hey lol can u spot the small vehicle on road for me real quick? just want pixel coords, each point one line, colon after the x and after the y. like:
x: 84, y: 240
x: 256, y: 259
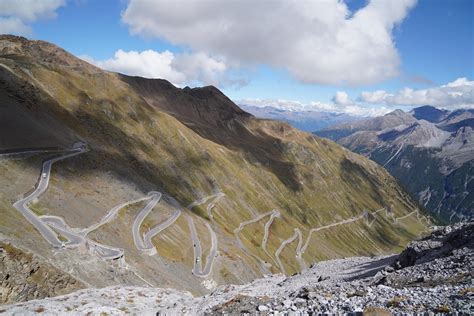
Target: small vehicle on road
x: 43, y: 175
x: 198, y: 259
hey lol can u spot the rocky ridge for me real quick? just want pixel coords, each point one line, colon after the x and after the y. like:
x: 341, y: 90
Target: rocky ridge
x: 25, y: 277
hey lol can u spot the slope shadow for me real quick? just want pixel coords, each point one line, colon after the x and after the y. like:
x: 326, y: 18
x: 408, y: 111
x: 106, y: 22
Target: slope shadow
x: 370, y: 269
x: 213, y: 116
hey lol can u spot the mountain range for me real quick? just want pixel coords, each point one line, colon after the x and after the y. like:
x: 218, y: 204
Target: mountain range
x: 429, y: 150
x: 110, y: 179
x: 308, y: 121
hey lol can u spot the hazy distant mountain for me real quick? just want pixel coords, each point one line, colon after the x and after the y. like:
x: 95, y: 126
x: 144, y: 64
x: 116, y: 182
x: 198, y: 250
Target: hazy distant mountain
x: 309, y: 121
x: 430, y: 151
x: 392, y: 119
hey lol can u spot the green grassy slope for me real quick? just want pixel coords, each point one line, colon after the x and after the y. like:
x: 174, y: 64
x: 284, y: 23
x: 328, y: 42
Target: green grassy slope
x: 149, y: 139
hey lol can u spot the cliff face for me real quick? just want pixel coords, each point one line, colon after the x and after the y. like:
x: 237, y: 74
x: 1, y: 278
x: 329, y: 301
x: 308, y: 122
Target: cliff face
x: 25, y: 277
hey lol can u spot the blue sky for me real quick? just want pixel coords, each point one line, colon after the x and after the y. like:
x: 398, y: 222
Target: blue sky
x: 433, y: 40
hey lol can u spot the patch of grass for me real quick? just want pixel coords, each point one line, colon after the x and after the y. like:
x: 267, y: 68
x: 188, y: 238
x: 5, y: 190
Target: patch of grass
x: 201, y: 211
x: 376, y: 311
x: 443, y: 309
x: 466, y: 291
x: 396, y: 301
x: 62, y: 238
x: 12, y: 251
x: 38, y: 210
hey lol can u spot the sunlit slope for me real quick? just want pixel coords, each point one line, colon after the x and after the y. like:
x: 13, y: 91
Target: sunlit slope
x: 147, y: 135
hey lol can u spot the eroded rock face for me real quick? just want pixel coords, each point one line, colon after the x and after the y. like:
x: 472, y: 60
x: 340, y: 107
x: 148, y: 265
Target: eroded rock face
x: 25, y: 277
x: 446, y: 256
x: 443, y: 242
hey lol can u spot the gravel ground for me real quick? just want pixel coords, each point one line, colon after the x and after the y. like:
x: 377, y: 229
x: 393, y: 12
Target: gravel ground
x: 433, y: 275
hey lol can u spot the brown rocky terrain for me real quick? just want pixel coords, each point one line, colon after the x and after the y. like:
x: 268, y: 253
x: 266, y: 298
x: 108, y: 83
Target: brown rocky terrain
x: 25, y: 277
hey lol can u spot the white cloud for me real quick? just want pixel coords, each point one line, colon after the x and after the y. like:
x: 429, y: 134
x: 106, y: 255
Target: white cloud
x: 456, y: 94
x: 180, y: 69
x: 289, y: 105
x: 342, y: 98
x: 199, y: 67
x: 17, y: 15
x: 348, y: 107
x: 459, y: 93
x: 316, y: 41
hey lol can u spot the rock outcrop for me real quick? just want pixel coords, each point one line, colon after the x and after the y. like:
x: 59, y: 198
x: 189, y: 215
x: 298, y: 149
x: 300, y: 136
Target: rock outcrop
x: 443, y: 242
x: 25, y: 277
x: 445, y: 256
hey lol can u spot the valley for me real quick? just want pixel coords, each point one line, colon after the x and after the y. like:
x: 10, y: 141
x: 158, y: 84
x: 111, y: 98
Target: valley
x: 430, y: 151
x: 142, y: 183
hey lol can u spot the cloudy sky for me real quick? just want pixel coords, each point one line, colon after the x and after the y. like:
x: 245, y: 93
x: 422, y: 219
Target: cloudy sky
x: 355, y: 56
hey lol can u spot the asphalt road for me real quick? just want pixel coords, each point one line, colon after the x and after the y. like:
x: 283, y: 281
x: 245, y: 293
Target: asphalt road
x: 205, y: 199
x: 243, y: 224
x: 197, y: 250
x: 264, y: 265
x: 59, y: 225
x: 283, y: 245
x: 211, y: 205
x: 275, y: 213
x: 212, y: 252
x: 50, y: 226
x: 137, y: 238
x: 159, y: 228
x: 22, y: 204
x: 113, y: 213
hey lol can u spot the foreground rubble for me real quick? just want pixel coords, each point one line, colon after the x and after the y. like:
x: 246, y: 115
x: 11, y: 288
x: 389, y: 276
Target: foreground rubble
x: 432, y: 275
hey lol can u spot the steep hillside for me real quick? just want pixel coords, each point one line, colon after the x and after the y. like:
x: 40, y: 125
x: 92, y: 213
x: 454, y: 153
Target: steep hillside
x: 433, y: 161
x: 146, y: 183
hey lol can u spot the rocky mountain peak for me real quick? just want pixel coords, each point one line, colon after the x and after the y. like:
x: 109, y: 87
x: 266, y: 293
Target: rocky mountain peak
x: 18, y: 47
x: 429, y: 113
x: 206, y: 105
x: 397, y: 112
